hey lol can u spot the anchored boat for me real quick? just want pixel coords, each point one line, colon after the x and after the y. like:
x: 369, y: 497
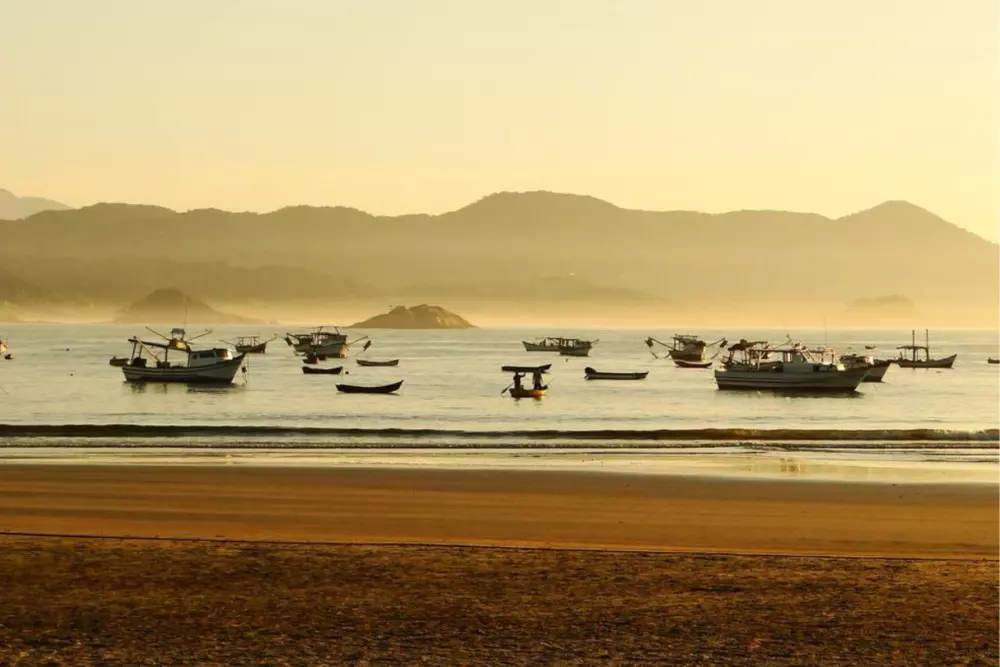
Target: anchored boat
x: 321, y: 343
x: 250, y: 344
x: 755, y: 365
x: 309, y: 370
x: 876, y: 367
x: 568, y: 347
x: 213, y: 365
x: 915, y: 360
x: 686, y: 347
x: 591, y: 374
x: 374, y: 364
x: 359, y: 389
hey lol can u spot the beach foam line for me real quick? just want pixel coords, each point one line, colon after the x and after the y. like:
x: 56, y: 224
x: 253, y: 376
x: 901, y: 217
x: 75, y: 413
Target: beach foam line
x: 649, y: 435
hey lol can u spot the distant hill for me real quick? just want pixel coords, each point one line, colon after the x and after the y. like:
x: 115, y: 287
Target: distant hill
x: 417, y: 317
x: 510, y: 244
x: 172, y: 305
x: 118, y: 279
x: 13, y: 207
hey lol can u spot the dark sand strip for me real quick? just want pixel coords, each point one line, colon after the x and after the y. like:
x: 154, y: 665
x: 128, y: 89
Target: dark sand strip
x: 80, y: 603
x: 528, y: 508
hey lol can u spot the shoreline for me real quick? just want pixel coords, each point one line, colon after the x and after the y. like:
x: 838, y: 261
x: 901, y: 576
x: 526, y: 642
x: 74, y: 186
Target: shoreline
x: 533, y: 508
x: 987, y: 436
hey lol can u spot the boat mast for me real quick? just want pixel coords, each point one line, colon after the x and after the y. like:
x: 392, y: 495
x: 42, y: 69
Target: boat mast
x: 927, y: 343
x: 913, y: 343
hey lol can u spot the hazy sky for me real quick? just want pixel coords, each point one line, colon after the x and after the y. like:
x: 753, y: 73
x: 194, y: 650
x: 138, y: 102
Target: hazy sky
x: 423, y: 106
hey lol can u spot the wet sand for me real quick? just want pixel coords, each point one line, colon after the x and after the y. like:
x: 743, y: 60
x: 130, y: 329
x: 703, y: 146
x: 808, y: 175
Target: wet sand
x: 505, y: 507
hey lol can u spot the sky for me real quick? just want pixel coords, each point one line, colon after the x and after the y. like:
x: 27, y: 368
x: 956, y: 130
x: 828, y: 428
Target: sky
x: 398, y: 106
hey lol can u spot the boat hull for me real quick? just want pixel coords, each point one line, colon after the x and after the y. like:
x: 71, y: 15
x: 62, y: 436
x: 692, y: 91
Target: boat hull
x: 991, y: 360
x: 591, y: 374
x: 539, y: 347
x: 221, y: 373
x: 377, y: 364
x: 877, y: 371
x: 338, y: 350
x: 946, y: 362
x: 687, y: 355
x: 383, y: 389
x: 819, y: 381
x: 260, y: 348
x: 684, y: 363
x: 309, y: 370
x: 574, y: 351
x: 527, y: 393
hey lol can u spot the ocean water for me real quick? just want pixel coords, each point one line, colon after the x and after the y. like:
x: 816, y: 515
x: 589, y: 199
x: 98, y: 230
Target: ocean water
x: 453, y: 382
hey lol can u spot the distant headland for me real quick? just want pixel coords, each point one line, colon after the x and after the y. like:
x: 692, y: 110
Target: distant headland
x: 172, y: 305
x: 417, y: 317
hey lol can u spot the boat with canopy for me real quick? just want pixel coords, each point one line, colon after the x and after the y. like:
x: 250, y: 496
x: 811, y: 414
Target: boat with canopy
x: 793, y: 367
x: 211, y: 365
x: 910, y: 355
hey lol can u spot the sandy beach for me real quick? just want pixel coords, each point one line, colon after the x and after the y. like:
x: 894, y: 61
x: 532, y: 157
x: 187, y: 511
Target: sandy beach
x: 400, y: 566
x: 505, y: 507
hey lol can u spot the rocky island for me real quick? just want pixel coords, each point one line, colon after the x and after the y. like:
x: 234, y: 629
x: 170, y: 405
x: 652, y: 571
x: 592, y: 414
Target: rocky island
x: 172, y: 305
x: 417, y: 317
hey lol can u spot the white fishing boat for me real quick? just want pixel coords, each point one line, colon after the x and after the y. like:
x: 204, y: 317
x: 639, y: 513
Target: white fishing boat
x: 321, y: 343
x: 755, y: 365
x: 150, y: 361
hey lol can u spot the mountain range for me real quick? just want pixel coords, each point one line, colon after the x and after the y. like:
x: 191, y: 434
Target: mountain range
x: 508, y: 245
x: 13, y: 207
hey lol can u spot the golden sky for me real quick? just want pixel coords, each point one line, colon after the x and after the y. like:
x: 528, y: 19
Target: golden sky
x: 397, y: 106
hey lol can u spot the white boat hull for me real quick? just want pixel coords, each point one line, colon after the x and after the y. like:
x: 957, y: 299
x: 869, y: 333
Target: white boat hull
x: 221, y: 373
x: 817, y: 381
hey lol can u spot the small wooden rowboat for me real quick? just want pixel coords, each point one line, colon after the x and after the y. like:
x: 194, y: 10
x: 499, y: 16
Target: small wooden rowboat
x: 527, y: 393
x: 590, y: 374
x: 370, y: 363
x: 526, y: 369
x: 118, y: 361
x: 381, y: 389
x: 681, y: 363
x: 309, y: 370
x: 991, y: 360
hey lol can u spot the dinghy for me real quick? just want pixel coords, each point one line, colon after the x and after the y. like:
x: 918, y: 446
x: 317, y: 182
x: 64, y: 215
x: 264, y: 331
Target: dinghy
x: 381, y: 389
x: 309, y: 370
x: 591, y: 374
x: 369, y: 363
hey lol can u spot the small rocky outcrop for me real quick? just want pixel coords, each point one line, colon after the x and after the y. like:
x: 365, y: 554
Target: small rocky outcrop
x: 417, y: 317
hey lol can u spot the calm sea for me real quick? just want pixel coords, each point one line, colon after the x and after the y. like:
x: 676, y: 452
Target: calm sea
x: 60, y: 375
